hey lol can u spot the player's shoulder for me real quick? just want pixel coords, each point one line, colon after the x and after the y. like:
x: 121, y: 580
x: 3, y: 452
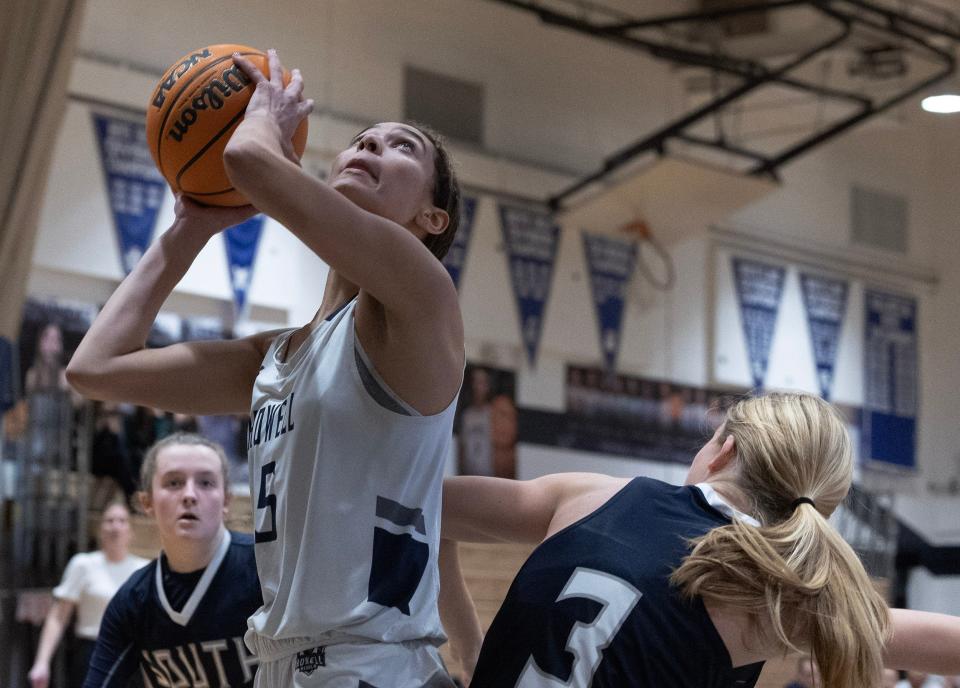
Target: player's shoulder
x: 241, y: 540
x: 576, y: 484
x: 242, y: 545
x: 136, y: 562
x: 241, y: 567
x: 86, y: 559
x: 136, y: 590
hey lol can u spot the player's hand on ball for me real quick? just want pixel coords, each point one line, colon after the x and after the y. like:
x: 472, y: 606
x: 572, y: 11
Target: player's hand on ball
x: 210, y: 218
x: 284, y: 105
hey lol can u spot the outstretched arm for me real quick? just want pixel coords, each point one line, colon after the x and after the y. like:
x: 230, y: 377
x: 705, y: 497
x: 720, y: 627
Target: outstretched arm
x: 457, y: 611
x: 479, y: 509
x: 112, y: 362
x: 924, y: 641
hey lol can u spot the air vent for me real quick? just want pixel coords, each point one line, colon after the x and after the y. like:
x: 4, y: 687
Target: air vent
x: 879, y: 219
x: 451, y: 106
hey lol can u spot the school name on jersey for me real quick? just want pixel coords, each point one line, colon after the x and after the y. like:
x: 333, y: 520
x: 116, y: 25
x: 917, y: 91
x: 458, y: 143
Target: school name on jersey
x: 270, y: 421
x: 210, y: 664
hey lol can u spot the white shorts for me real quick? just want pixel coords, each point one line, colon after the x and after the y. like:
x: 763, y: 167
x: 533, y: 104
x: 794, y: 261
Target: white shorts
x: 357, y: 665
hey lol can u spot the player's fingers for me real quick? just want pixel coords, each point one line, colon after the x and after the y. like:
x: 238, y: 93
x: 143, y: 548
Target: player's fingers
x: 305, y: 108
x: 295, y: 87
x: 248, y: 68
x: 276, y: 69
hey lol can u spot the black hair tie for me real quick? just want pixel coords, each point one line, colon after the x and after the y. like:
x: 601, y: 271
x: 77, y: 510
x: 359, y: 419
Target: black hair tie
x: 801, y: 500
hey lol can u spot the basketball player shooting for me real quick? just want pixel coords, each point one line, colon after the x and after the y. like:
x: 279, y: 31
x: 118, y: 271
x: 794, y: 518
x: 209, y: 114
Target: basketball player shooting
x: 351, y: 414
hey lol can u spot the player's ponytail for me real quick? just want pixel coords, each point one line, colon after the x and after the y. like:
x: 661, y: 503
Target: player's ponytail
x: 801, y: 584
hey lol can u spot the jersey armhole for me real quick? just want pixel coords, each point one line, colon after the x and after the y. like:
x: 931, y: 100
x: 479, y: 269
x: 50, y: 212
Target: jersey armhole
x: 375, y: 385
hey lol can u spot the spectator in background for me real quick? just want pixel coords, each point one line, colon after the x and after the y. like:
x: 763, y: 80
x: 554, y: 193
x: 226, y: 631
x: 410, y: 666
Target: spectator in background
x: 49, y: 402
x: 141, y: 432
x: 89, y: 581
x: 163, y: 424
x: 890, y: 677
x: 229, y: 431
x: 476, y: 446
x: 110, y: 458
x: 47, y: 371
x: 503, y: 436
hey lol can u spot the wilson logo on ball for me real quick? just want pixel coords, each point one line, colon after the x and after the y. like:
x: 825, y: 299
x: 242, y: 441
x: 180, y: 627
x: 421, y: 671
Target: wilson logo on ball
x: 211, y: 97
x: 194, y: 110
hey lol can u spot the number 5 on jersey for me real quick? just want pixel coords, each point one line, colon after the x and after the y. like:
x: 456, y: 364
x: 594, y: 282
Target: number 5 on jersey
x: 267, y: 501
x: 586, y: 642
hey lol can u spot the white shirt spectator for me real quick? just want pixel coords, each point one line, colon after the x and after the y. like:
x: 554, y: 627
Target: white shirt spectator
x: 90, y: 581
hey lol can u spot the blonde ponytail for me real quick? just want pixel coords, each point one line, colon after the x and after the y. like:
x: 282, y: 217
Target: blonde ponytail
x: 801, y: 584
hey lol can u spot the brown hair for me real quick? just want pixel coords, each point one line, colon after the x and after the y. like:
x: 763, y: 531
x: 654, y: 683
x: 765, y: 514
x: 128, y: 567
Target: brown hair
x: 149, y: 467
x: 115, y: 501
x: 801, y: 584
x: 446, y: 191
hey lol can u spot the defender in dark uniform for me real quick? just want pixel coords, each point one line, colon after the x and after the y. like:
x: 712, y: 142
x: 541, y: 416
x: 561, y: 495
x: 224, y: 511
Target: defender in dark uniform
x: 593, y: 603
x: 641, y: 583
x: 180, y: 620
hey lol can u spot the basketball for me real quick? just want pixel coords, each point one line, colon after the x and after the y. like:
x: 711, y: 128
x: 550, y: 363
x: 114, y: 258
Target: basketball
x: 192, y: 113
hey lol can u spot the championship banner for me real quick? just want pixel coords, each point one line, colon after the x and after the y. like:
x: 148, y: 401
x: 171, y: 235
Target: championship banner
x: 890, y: 379
x: 759, y: 287
x: 611, y: 263
x: 135, y: 185
x: 456, y: 257
x: 825, y: 301
x: 241, y: 242
x: 531, y: 239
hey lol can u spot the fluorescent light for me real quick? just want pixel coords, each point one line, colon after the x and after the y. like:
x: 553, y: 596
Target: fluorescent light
x: 941, y: 104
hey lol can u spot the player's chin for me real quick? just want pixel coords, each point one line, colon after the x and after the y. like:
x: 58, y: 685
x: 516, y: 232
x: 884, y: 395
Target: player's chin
x: 193, y: 527
x: 359, y: 189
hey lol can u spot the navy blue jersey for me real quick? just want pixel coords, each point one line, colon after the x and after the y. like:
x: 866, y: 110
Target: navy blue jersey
x: 153, y: 628
x: 593, y: 605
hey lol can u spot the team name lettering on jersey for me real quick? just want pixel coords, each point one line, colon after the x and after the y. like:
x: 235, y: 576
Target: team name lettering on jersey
x: 198, y: 665
x: 270, y: 421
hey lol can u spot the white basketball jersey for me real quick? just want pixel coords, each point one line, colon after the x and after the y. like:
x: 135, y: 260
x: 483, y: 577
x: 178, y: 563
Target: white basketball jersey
x: 346, y: 496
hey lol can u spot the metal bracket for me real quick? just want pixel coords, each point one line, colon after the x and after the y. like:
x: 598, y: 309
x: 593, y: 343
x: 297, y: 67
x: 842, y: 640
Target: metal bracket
x: 929, y: 32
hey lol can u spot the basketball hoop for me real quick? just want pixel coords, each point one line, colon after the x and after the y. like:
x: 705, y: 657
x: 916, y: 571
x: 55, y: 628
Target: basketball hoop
x: 641, y: 230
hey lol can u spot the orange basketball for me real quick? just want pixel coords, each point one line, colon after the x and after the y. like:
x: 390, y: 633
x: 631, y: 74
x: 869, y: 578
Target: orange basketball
x: 192, y: 113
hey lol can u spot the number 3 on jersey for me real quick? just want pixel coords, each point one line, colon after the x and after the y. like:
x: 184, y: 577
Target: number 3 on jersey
x: 586, y: 642
x: 267, y: 501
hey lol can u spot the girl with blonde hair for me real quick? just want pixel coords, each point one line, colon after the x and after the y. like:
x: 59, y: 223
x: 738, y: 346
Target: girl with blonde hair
x: 641, y: 583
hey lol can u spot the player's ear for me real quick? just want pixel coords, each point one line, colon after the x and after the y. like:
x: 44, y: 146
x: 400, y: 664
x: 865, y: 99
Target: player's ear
x: 723, y: 458
x: 432, y: 220
x: 146, y: 502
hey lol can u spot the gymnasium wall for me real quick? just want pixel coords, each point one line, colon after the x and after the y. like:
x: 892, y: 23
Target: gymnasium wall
x: 555, y: 103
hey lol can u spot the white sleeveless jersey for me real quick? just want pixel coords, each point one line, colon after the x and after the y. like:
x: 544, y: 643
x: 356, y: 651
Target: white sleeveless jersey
x: 346, y: 496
